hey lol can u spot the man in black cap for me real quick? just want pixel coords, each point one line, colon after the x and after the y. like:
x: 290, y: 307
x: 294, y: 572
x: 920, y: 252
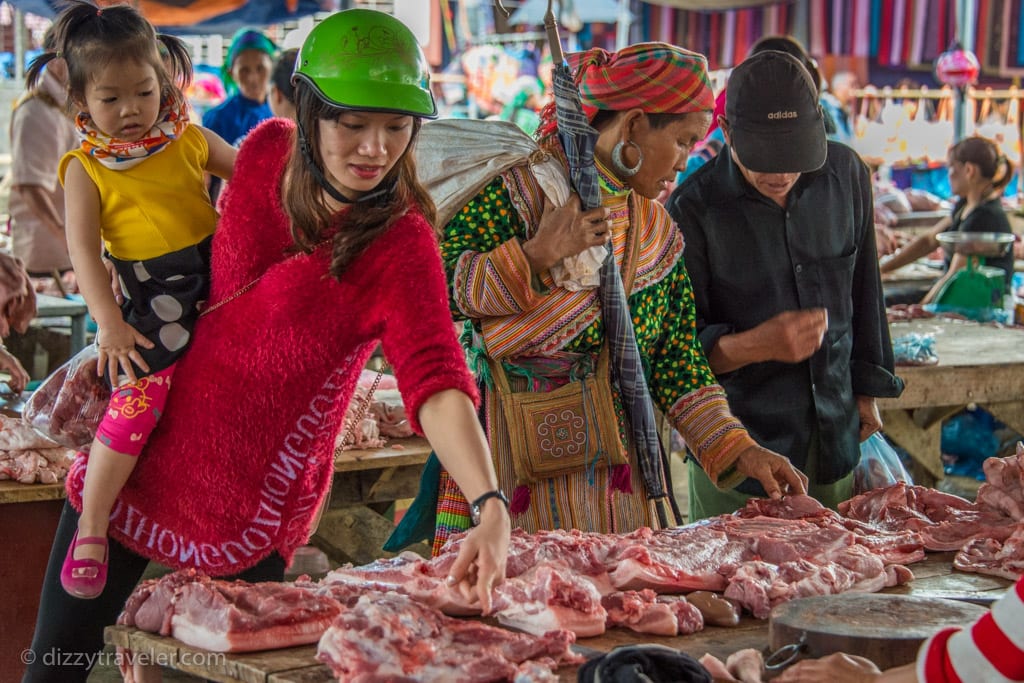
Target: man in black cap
x: 780, y: 247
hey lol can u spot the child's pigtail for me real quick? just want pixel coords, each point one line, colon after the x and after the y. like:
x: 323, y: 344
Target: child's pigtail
x: 177, y: 58
x: 34, y: 72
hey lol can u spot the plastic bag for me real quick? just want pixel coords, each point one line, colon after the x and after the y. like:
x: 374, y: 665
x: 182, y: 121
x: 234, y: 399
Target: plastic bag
x: 69, y: 404
x: 879, y: 466
x: 915, y: 349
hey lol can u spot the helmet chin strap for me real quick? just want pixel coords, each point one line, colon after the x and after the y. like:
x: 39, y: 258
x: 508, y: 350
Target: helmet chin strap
x: 384, y: 190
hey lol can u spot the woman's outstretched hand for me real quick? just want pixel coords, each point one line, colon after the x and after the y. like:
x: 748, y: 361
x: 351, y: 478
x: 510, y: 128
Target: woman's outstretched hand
x: 480, y: 565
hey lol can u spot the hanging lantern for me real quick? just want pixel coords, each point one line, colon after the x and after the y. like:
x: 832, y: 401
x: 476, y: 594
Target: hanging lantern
x: 957, y: 67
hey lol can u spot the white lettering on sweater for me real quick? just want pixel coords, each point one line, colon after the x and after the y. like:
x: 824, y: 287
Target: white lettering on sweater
x: 321, y: 420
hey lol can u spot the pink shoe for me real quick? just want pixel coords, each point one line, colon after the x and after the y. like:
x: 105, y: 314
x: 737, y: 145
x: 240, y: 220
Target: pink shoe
x: 84, y: 578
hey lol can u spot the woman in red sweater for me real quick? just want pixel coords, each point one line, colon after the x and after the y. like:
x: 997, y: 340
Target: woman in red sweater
x: 324, y: 250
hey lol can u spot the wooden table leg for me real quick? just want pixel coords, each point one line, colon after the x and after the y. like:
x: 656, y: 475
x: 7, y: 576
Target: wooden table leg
x: 1010, y: 413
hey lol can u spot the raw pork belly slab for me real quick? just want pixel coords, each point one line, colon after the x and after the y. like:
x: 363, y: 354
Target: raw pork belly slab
x: 229, y: 616
x: 990, y: 556
x: 647, y: 612
x: 550, y: 597
x: 391, y: 638
x: 151, y: 605
x: 678, y: 560
x: 1003, y: 490
x: 900, y: 546
x: 945, y: 522
x: 411, y: 575
x: 247, y: 617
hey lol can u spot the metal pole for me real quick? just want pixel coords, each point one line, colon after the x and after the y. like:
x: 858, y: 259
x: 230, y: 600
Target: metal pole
x: 965, y: 27
x: 622, y: 25
x: 19, y: 45
x: 959, y: 114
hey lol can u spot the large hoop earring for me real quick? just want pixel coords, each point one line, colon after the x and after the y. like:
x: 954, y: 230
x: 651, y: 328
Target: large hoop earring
x: 621, y: 169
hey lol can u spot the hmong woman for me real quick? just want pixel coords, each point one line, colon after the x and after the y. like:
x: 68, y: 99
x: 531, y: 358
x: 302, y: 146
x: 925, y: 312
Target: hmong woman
x: 528, y: 329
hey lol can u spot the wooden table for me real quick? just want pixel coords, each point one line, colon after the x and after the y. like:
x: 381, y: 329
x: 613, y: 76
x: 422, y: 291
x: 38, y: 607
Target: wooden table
x: 55, y: 307
x: 978, y: 364
x: 297, y: 665
x: 909, y: 284
x: 366, y: 485
x: 28, y: 520
x: 919, y: 221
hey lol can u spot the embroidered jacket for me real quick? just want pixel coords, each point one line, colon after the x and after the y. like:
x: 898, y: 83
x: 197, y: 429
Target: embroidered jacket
x: 523, y: 313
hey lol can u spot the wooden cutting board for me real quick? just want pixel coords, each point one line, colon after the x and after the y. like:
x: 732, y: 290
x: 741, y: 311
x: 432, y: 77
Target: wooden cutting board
x: 887, y: 629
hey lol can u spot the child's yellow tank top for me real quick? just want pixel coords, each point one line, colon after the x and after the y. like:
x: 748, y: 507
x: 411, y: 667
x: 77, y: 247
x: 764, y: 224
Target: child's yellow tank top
x: 156, y: 207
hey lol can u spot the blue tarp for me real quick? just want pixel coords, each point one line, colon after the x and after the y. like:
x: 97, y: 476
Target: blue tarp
x: 253, y: 13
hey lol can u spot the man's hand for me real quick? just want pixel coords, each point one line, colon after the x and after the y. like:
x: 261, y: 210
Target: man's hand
x: 775, y: 472
x: 870, y: 418
x: 789, y: 337
x: 835, y: 668
x: 793, y: 336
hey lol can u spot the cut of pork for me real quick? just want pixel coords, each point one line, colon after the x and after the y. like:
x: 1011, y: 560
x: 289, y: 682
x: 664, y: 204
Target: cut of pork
x: 944, y: 521
x: 550, y: 597
x: 1003, y: 490
x: 390, y: 637
x: 647, y: 612
x: 678, y: 560
x: 150, y: 606
x: 894, y: 546
x: 410, y: 574
x: 237, y: 616
x: 990, y: 556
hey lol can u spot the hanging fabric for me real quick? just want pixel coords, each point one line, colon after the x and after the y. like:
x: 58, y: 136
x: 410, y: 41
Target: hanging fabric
x: 885, y: 33
x: 862, y: 29
x: 918, y: 33
x: 818, y: 28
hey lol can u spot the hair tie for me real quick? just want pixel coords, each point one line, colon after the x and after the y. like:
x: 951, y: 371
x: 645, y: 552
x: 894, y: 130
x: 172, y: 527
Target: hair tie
x: 99, y: 12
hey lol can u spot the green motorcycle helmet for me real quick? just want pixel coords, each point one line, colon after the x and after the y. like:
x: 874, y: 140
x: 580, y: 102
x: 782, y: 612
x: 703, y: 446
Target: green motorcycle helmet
x: 366, y: 60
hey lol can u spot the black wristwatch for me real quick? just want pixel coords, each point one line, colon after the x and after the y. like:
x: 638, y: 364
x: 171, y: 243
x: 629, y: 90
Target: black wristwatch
x: 474, y: 507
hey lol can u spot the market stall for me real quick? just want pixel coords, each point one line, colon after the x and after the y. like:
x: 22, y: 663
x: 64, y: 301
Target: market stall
x: 908, y: 131
x: 933, y: 578
x: 977, y: 364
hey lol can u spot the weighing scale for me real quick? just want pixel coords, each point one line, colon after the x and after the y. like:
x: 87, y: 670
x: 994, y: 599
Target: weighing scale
x: 977, y: 288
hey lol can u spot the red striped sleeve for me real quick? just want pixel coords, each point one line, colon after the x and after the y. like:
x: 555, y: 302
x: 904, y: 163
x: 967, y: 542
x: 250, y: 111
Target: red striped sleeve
x: 992, y: 650
x: 996, y: 647
x: 933, y: 662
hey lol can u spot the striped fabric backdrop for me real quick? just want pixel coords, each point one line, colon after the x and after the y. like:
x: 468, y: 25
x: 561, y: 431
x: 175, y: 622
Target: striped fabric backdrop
x: 891, y: 32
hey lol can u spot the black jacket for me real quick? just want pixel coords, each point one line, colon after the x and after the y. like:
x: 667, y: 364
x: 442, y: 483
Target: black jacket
x: 750, y: 259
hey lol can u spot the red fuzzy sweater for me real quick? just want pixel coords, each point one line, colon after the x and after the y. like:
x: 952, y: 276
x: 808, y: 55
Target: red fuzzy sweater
x: 244, y: 454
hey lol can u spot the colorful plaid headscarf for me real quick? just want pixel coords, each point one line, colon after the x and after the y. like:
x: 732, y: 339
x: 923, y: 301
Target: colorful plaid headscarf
x: 656, y: 77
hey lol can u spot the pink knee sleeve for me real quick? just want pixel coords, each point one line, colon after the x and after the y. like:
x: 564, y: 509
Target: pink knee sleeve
x: 133, y: 412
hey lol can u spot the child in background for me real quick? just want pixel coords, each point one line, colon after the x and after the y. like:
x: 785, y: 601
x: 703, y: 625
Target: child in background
x: 135, y: 190
x: 246, y: 76
x: 282, y: 92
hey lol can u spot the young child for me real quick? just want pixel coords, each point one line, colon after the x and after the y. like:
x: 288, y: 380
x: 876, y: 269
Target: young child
x: 134, y: 189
